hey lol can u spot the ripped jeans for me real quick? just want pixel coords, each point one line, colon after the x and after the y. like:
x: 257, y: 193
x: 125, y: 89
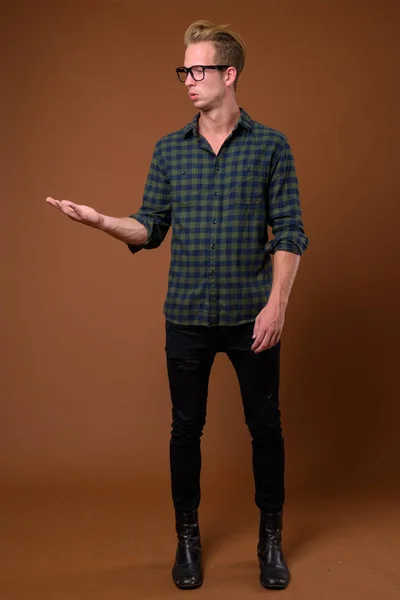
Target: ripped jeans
x: 190, y: 354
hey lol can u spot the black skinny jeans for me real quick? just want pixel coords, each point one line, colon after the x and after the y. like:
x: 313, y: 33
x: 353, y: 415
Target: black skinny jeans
x: 190, y: 354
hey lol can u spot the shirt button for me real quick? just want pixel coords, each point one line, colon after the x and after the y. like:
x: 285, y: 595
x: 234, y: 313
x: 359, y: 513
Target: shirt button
x: 212, y: 272
x: 218, y: 168
x: 213, y: 246
x: 250, y: 168
x: 215, y: 193
x: 214, y: 221
x: 183, y: 171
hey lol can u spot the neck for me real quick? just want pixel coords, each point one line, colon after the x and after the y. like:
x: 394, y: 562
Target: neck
x: 219, y: 121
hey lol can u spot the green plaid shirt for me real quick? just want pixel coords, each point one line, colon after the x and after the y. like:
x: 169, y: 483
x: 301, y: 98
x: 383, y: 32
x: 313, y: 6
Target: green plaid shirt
x: 219, y: 207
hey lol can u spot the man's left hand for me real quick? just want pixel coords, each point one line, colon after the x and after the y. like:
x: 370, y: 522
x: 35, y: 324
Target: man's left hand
x: 268, y: 327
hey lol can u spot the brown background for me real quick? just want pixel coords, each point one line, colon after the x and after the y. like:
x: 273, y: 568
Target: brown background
x: 87, y: 89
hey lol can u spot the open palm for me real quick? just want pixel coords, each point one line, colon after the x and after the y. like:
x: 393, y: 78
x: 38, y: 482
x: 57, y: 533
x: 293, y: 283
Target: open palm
x: 77, y: 212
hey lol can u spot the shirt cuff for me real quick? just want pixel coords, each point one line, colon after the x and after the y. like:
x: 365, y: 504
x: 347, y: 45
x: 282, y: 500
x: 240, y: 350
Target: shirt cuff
x: 137, y: 247
x: 287, y: 246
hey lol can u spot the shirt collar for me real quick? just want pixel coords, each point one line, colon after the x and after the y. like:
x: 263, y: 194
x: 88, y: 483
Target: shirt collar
x: 244, y: 121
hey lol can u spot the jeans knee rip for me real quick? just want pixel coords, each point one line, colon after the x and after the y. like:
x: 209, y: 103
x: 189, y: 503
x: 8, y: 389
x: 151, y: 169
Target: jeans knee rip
x: 185, y: 364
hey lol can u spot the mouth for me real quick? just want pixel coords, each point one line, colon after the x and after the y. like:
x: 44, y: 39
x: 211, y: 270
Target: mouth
x: 193, y: 95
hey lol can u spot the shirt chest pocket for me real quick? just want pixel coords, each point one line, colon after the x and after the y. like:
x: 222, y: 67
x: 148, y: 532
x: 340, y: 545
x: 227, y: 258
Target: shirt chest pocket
x: 186, y: 187
x: 249, y: 185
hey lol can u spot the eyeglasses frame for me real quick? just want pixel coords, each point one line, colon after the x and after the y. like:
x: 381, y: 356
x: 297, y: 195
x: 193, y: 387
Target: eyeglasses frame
x: 188, y: 70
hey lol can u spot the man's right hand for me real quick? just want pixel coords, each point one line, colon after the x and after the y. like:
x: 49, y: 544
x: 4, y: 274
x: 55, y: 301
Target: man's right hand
x: 125, y: 229
x: 78, y: 212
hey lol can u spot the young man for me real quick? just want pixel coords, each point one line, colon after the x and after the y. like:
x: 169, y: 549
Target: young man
x: 219, y: 182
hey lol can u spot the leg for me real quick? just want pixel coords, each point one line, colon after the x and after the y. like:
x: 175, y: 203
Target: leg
x: 189, y: 362
x: 258, y: 376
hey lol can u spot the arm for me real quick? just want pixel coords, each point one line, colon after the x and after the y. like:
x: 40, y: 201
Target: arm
x: 288, y: 244
x: 125, y: 229
x: 269, y: 322
x: 147, y: 228
x: 155, y: 212
x: 285, y: 268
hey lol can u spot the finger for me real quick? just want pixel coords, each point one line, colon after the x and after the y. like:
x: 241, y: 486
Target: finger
x: 70, y: 212
x: 51, y: 201
x: 69, y: 203
x: 264, y: 343
x: 60, y: 203
x: 259, y: 339
x: 56, y: 203
x: 274, y: 339
x: 255, y: 330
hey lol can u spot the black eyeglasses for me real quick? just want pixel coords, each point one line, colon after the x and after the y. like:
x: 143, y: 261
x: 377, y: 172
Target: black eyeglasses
x: 197, y: 71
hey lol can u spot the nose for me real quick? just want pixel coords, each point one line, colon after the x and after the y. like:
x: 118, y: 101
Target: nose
x: 189, y: 80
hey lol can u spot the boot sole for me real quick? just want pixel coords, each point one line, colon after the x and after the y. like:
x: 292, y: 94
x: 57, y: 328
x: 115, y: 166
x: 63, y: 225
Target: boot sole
x: 273, y: 587
x: 188, y: 587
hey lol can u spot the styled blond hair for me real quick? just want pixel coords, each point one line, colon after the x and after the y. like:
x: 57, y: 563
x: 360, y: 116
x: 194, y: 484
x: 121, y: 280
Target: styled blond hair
x: 230, y: 48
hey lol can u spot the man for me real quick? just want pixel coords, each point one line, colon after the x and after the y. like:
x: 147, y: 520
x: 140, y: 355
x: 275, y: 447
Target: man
x: 219, y: 182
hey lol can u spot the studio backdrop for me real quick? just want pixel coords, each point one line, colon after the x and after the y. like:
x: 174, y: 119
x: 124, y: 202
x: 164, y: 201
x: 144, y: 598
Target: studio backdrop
x: 88, y: 88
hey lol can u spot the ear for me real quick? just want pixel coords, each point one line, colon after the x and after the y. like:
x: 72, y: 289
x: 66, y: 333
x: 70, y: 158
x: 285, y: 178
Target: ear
x: 230, y: 76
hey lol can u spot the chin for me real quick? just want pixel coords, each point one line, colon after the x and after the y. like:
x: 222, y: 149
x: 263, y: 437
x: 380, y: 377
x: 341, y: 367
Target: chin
x: 202, y: 105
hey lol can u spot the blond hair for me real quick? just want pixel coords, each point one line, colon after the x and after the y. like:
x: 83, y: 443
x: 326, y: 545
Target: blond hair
x: 230, y: 48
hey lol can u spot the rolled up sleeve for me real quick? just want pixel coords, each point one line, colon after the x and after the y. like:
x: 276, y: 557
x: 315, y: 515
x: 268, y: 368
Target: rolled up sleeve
x: 284, y: 213
x: 155, y: 212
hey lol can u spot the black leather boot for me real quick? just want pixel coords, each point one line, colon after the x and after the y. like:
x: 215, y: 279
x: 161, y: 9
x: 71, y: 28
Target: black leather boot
x: 187, y: 571
x: 274, y: 573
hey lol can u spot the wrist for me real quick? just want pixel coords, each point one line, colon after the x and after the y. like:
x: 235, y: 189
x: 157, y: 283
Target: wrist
x: 277, y: 300
x: 102, y: 222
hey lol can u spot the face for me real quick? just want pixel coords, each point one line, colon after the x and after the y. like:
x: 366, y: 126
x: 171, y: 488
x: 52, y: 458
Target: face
x: 211, y: 92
